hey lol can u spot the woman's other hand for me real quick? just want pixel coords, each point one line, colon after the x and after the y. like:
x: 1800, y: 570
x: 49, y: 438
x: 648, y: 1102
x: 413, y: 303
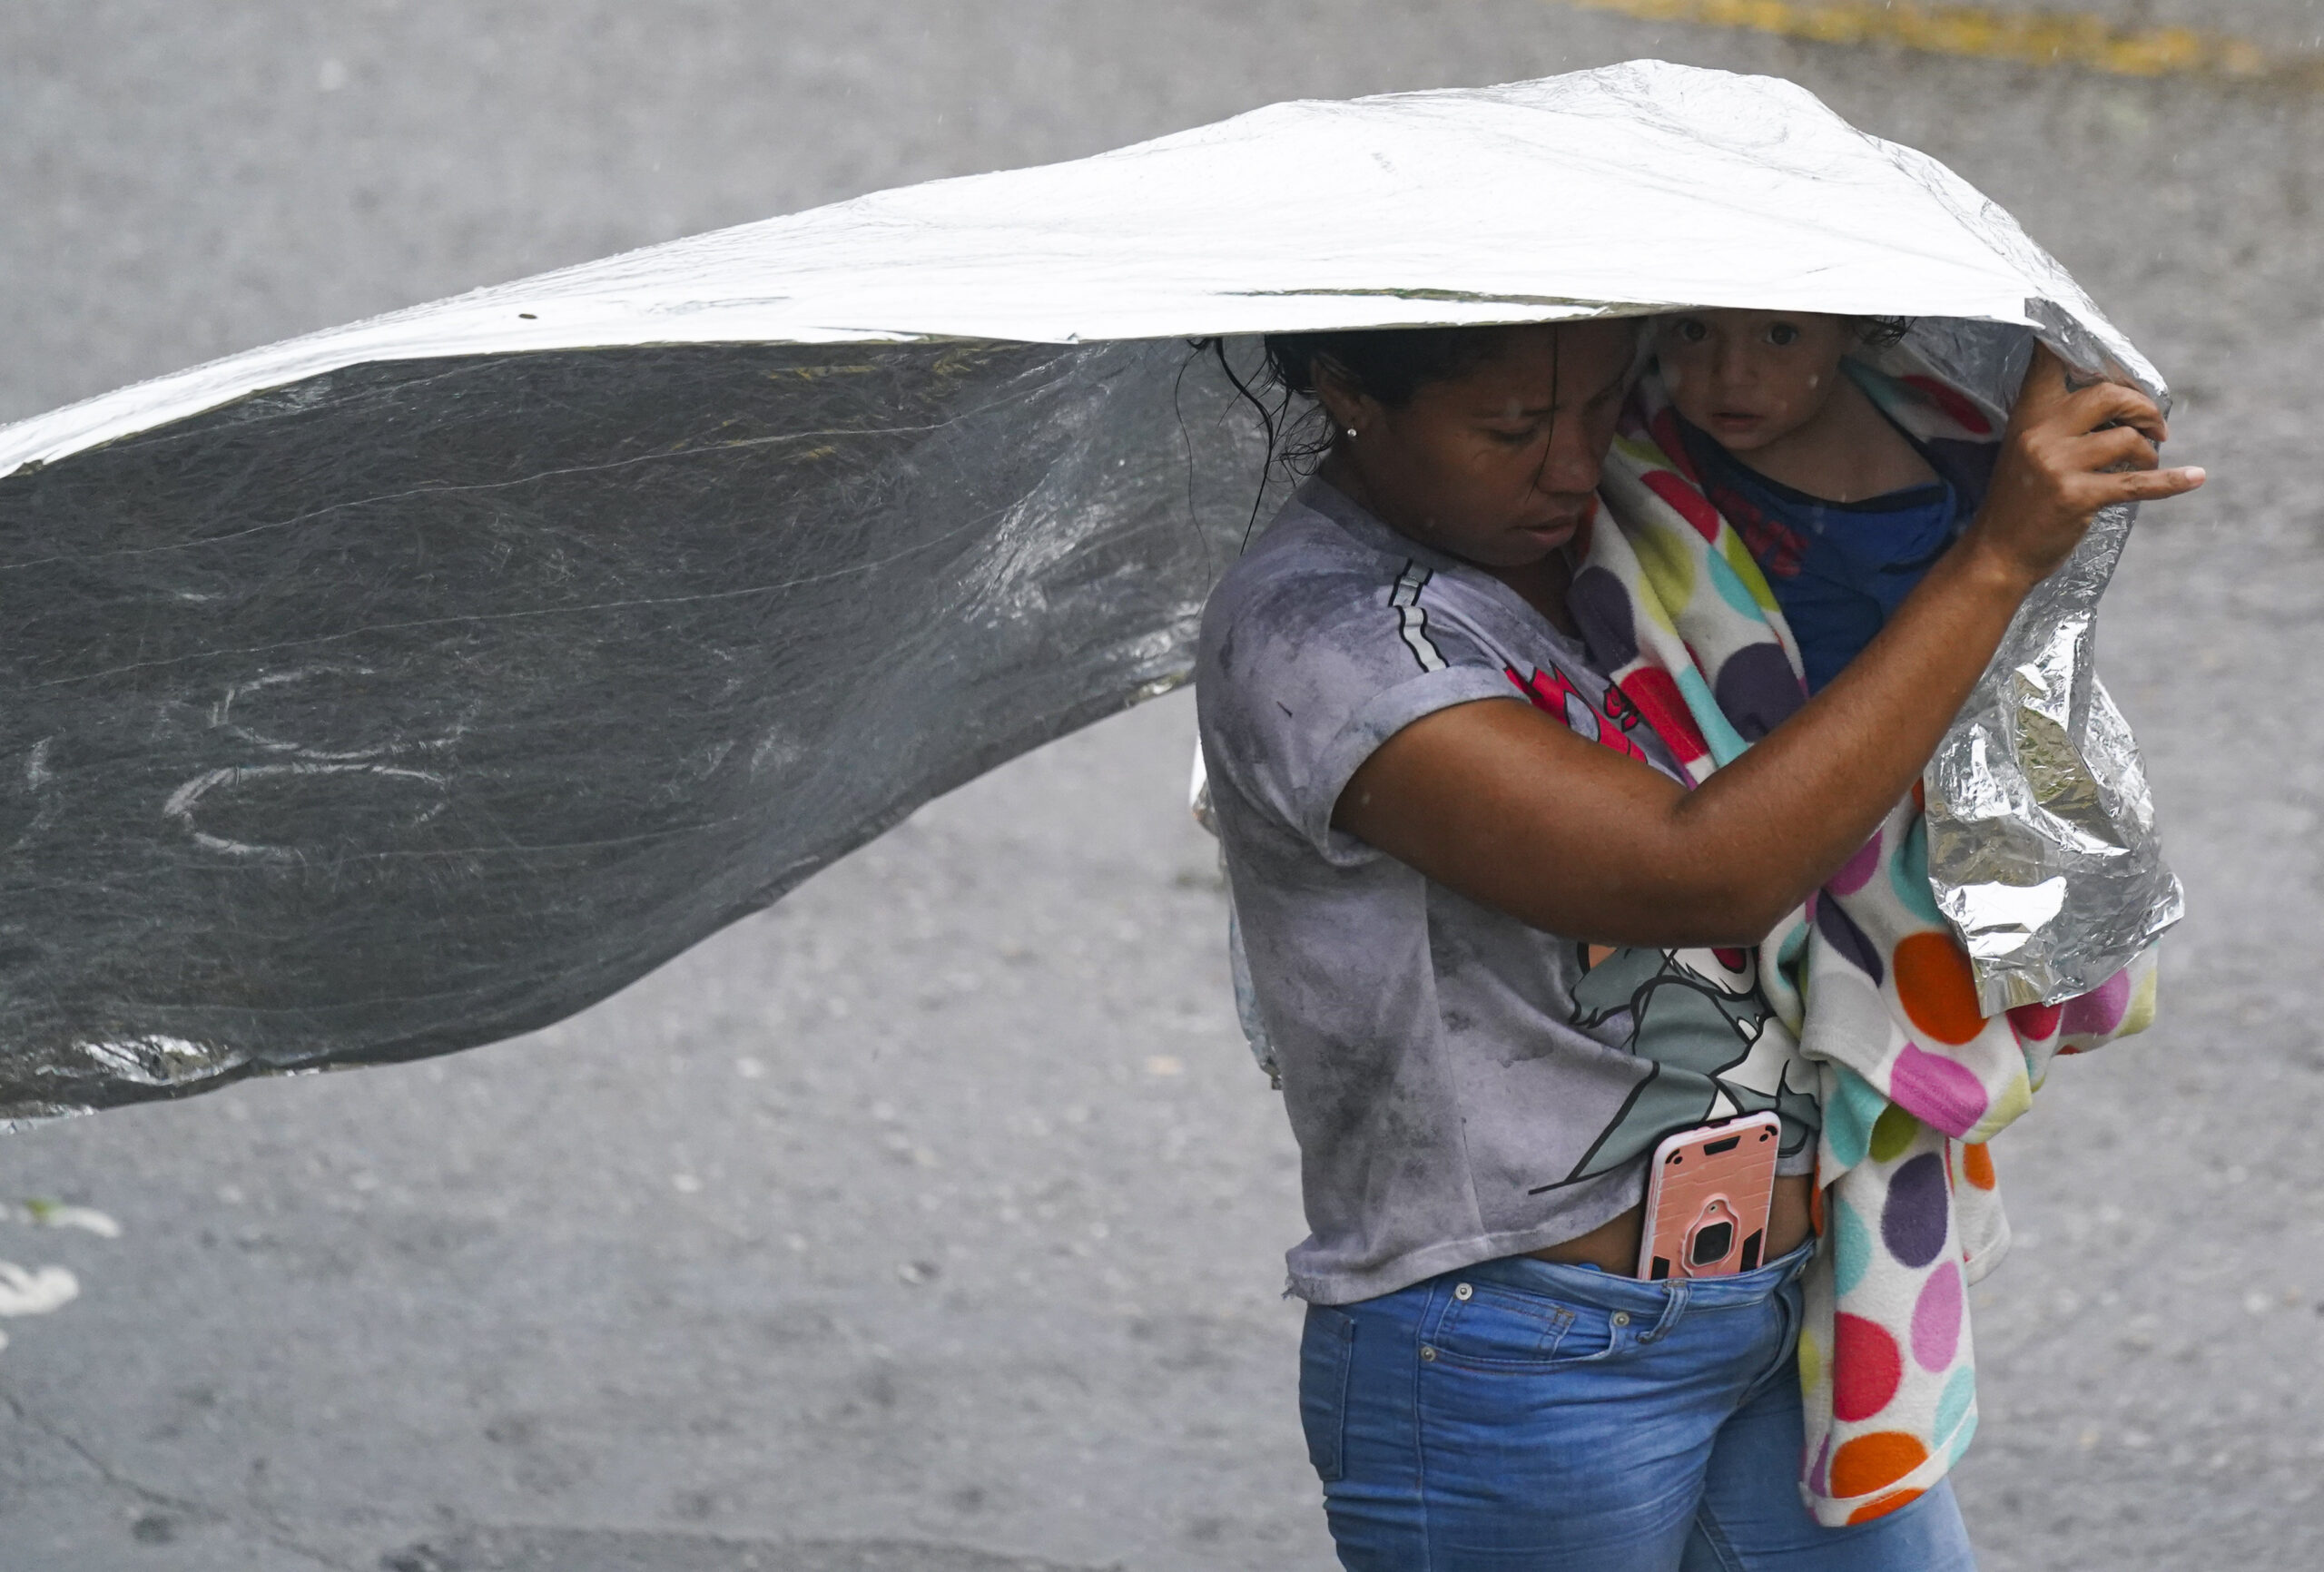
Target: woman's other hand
x: 2072, y: 447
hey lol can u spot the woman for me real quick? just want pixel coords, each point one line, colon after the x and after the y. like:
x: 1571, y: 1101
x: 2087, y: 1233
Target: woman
x: 1427, y: 884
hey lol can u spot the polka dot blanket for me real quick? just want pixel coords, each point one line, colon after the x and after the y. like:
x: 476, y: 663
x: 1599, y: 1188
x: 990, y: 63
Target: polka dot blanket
x: 1872, y: 986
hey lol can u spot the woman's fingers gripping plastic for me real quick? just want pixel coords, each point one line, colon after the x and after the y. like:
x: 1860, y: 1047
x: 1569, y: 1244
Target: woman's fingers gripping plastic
x: 2110, y: 406
x: 2053, y: 394
x: 2115, y: 448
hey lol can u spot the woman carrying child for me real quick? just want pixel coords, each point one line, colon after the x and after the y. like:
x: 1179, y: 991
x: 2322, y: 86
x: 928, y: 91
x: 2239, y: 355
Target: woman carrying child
x: 1501, y: 949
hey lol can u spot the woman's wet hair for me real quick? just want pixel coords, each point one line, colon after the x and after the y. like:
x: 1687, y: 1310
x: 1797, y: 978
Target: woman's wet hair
x: 1390, y: 364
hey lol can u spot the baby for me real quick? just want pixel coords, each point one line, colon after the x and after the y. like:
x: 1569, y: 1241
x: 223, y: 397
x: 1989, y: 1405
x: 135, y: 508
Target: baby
x: 1843, y: 509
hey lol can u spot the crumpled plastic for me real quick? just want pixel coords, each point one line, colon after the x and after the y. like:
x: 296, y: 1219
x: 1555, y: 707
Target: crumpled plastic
x: 414, y: 684
x: 2043, y: 850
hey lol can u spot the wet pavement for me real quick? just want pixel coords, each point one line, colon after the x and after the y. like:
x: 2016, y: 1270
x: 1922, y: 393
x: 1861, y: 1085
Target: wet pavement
x: 931, y: 1221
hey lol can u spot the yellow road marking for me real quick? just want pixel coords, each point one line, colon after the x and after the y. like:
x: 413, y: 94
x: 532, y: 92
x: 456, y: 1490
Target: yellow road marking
x: 2023, y: 37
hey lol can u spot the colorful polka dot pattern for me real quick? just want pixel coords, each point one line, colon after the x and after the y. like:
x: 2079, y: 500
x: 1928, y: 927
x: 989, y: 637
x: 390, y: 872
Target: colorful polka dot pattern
x: 1867, y: 975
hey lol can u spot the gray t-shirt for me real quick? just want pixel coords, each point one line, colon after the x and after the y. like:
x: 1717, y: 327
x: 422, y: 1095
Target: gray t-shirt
x: 1463, y: 1086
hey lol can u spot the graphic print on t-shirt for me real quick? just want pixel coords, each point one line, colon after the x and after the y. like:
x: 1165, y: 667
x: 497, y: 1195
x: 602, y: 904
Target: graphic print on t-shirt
x: 1553, y: 694
x: 1698, y: 1018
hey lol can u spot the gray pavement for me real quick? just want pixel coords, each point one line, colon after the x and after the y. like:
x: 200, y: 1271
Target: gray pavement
x: 931, y: 1221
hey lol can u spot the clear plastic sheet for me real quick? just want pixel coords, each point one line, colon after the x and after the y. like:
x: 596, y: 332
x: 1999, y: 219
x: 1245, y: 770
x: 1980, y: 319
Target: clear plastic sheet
x: 425, y: 703
x: 413, y: 684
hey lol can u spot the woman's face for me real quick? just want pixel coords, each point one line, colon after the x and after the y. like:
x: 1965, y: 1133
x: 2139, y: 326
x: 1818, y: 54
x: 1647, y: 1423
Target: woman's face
x: 1750, y: 377
x: 1499, y: 465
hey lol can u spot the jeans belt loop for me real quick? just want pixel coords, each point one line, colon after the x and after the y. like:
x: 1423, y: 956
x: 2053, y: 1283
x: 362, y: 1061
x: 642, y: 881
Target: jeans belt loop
x: 1674, y: 1306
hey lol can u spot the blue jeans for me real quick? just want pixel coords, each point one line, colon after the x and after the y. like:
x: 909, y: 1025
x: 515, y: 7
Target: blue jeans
x: 1524, y: 1415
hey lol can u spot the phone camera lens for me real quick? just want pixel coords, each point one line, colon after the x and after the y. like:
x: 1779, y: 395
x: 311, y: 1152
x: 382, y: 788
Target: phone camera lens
x: 1711, y: 1243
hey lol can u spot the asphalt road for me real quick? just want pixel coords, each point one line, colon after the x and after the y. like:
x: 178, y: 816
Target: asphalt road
x: 931, y: 1221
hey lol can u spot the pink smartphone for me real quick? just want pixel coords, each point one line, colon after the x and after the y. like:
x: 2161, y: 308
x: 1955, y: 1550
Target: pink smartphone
x: 1708, y: 1198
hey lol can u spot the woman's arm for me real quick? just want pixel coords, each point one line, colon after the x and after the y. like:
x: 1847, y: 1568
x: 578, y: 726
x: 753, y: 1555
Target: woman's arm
x: 1504, y: 804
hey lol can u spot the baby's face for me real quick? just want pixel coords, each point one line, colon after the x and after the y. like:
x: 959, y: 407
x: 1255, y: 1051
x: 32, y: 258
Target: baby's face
x: 1750, y: 377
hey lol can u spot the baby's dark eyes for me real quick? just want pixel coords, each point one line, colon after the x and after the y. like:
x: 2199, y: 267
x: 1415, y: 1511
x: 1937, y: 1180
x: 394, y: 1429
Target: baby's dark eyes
x: 1691, y: 331
x: 1782, y: 333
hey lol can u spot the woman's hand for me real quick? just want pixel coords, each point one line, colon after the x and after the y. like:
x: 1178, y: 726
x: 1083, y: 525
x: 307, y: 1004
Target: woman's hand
x: 1509, y: 807
x: 2071, y: 449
